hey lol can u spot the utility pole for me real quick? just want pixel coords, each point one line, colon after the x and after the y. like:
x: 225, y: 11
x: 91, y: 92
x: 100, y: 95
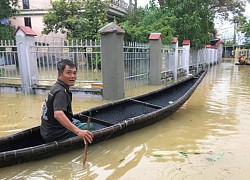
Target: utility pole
x: 132, y: 4
x: 234, y: 32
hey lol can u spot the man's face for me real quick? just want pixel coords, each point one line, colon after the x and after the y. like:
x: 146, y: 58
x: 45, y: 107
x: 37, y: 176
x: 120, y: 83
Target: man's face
x: 68, y: 76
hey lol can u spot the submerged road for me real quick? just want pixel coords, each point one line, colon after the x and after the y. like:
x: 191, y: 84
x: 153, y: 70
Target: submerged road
x: 207, y: 138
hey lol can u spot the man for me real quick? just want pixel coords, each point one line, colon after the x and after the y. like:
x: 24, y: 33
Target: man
x: 242, y: 59
x: 57, y: 116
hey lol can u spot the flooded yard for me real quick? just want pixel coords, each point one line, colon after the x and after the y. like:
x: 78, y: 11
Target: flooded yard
x: 207, y: 138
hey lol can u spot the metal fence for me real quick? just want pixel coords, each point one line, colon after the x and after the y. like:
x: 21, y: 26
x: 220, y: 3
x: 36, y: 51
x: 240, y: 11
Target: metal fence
x: 136, y: 64
x: 167, y: 71
x: 9, y: 70
x: 86, y: 54
x: 181, y: 69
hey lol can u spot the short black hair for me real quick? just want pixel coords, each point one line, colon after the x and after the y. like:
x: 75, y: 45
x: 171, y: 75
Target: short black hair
x: 62, y: 64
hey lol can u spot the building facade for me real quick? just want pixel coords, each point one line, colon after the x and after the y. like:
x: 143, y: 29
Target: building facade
x: 32, y: 12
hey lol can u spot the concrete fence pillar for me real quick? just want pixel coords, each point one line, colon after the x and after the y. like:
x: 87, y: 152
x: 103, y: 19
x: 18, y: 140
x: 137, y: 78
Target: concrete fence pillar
x: 212, y: 55
x: 186, y: 55
x: 112, y: 61
x: 215, y: 54
x: 204, y: 55
x: 175, y: 45
x: 155, y: 67
x: 220, y: 50
x: 208, y: 53
x: 25, y: 41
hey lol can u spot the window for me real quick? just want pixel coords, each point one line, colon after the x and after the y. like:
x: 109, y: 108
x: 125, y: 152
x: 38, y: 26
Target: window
x: 27, y: 21
x: 26, y: 4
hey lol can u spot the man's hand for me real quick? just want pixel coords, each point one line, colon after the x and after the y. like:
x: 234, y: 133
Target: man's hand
x: 86, y: 135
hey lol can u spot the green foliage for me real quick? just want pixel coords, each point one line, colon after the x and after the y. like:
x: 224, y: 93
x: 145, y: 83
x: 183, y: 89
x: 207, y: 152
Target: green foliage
x: 194, y: 21
x: 141, y: 22
x: 229, y: 43
x: 2, y: 71
x: 218, y: 157
x: 244, y: 27
x: 176, y: 18
x: 6, y: 32
x: 7, y: 9
x: 80, y: 19
x: 184, y: 154
x: 223, y: 8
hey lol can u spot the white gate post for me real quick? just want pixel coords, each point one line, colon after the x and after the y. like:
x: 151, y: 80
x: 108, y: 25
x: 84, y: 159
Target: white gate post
x: 27, y: 63
x: 186, y: 54
x: 112, y: 61
x: 208, y: 52
x: 175, y: 45
x: 155, y: 67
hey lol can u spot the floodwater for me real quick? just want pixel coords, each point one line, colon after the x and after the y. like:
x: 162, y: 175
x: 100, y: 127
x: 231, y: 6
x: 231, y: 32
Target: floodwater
x: 207, y: 138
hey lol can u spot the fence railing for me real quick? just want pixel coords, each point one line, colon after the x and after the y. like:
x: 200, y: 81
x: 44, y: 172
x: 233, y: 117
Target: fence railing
x: 86, y: 54
x: 166, y: 72
x: 9, y: 71
x: 136, y: 64
x: 118, y: 65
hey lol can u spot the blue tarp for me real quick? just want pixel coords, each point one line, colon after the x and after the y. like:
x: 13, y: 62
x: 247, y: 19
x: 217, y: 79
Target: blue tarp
x: 4, y: 21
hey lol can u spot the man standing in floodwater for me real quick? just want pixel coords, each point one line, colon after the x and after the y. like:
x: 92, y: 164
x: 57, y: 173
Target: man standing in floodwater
x: 57, y: 116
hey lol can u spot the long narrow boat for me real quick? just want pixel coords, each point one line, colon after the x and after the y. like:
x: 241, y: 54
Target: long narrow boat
x: 238, y: 63
x: 110, y: 120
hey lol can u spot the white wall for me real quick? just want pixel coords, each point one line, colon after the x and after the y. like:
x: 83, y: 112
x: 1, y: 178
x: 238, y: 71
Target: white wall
x: 36, y: 18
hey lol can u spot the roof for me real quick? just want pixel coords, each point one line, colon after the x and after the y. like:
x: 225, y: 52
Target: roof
x: 154, y: 36
x: 186, y: 42
x: 27, y: 30
x: 110, y: 28
x: 220, y: 42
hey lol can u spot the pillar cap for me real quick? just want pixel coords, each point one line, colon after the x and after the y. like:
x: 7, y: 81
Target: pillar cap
x: 186, y: 42
x: 220, y: 42
x: 26, y: 30
x: 110, y: 28
x: 154, y: 36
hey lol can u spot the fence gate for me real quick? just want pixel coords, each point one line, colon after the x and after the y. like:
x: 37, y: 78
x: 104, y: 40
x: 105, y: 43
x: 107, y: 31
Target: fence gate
x: 9, y: 68
x: 136, y: 62
x: 86, y: 55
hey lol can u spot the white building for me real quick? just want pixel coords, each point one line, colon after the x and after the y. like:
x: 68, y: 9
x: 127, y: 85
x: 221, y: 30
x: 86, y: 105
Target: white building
x: 31, y: 14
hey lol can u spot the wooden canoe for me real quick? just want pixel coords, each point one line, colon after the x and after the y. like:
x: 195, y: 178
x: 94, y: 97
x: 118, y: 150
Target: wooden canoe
x: 238, y: 63
x: 110, y: 120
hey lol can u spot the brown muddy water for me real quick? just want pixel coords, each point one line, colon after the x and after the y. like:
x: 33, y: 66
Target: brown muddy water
x: 207, y: 138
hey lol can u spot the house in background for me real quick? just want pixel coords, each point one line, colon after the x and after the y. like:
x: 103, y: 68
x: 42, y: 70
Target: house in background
x: 32, y: 12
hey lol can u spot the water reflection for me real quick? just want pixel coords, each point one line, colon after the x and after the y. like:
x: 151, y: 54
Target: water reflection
x: 212, y: 128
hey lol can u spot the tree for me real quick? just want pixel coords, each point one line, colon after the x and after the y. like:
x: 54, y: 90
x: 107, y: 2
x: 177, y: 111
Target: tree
x: 181, y: 18
x: 223, y: 8
x: 194, y: 20
x: 7, y: 9
x: 243, y: 26
x: 80, y: 19
x: 141, y: 22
